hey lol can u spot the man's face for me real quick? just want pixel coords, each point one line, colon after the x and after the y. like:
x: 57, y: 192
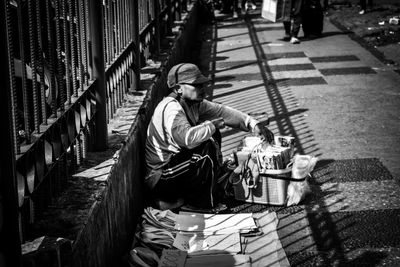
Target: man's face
x: 193, y: 92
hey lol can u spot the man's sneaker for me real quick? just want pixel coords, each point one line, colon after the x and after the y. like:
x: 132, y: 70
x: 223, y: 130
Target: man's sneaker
x: 294, y: 40
x: 362, y: 12
x: 253, y: 6
x: 235, y: 15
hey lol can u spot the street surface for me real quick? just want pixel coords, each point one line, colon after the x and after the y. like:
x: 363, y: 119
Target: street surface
x: 342, y: 105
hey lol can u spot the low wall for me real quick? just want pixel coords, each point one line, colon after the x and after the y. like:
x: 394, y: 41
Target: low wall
x: 108, y: 231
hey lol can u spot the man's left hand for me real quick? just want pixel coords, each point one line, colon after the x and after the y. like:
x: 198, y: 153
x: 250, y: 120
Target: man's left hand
x: 264, y: 133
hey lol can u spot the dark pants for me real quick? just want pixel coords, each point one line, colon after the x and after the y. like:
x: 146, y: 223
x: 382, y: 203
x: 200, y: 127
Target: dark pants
x: 363, y: 4
x: 191, y: 175
x: 293, y: 28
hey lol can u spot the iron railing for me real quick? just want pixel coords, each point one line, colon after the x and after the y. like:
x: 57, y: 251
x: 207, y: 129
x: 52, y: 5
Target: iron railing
x: 56, y: 87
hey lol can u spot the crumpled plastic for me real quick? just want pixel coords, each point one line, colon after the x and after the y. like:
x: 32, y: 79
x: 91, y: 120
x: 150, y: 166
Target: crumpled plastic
x: 302, y: 166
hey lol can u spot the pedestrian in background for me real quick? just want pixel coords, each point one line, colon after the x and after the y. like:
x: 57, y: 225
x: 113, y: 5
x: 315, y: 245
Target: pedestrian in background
x: 292, y: 20
x: 287, y: 19
x: 363, y: 4
x: 312, y: 18
x: 245, y: 5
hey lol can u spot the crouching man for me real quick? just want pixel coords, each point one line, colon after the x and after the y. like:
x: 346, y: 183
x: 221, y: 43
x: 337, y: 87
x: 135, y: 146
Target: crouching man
x: 183, y: 145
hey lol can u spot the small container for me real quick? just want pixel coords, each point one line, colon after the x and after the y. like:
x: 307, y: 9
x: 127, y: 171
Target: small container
x: 271, y: 188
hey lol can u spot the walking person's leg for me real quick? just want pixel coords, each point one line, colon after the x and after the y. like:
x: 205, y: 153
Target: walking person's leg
x: 295, y: 29
x: 287, y: 26
x: 235, y: 8
x: 363, y: 5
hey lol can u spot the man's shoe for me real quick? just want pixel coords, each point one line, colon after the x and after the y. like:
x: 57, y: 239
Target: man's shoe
x: 168, y: 205
x: 253, y: 6
x: 294, y: 40
x: 362, y: 12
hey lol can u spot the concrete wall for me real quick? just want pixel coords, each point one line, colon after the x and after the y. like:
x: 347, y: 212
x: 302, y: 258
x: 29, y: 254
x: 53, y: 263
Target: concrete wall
x: 108, y: 231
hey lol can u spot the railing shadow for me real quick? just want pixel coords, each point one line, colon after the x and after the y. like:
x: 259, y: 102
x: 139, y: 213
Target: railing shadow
x: 286, y: 119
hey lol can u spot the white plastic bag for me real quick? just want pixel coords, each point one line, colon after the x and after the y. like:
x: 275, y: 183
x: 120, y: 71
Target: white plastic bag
x: 302, y: 167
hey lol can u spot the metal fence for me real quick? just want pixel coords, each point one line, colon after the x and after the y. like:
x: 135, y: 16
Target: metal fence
x: 69, y: 65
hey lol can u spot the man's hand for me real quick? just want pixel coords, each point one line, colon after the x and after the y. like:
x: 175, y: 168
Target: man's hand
x: 219, y: 123
x: 264, y: 133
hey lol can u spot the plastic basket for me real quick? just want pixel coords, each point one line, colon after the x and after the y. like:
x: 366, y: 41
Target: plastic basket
x: 270, y: 188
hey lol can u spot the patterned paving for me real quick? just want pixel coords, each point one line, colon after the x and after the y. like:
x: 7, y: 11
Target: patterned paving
x: 353, y: 215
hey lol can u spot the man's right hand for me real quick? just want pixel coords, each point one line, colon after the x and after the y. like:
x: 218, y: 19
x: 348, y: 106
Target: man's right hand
x: 219, y: 123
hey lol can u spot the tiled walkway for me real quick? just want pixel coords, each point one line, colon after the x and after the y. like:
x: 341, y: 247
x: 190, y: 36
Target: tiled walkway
x: 342, y: 105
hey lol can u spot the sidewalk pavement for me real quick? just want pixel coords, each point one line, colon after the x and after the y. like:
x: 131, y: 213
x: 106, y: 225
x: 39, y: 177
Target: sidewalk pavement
x: 341, y: 104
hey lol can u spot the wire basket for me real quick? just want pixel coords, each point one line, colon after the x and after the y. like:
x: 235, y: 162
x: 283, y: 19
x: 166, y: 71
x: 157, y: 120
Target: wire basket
x: 269, y: 188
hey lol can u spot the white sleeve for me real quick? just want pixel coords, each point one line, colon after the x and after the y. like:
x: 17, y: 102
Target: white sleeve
x: 179, y: 128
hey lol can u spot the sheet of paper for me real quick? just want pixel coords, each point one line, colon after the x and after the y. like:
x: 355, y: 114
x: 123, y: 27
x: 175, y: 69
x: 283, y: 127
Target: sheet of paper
x: 31, y: 246
x: 266, y: 249
x: 172, y: 257
x: 198, y: 243
x: 215, y: 223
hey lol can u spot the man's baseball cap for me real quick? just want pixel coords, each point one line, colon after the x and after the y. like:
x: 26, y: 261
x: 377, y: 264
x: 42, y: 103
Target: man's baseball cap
x: 185, y: 73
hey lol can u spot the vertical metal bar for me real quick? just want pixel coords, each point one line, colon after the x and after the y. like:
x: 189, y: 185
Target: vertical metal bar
x: 114, y: 99
x: 129, y: 21
x: 157, y: 11
x: 118, y: 11
x: 115, y: 15
x: 67, y: 50
x: 106, y: 33
x: 111, y: 31
x: 60, y: 71
x: 84, y: 42
x: 51, y: 59
x: 32, y: 47
x: 78, y: 149
x: 119, y: 85
x: 96, y: 31
x: 123, y: 24
x: 13, y: 96
x: 124, y: 86
x: 10, y: 244
x: 141, y: 14
x: 79, y: 42
x: 179, y: 9
x: 73, y: 46
x: 41, y: 63
x: 169, y: 17
x: 185, y: 5
x: 136, y: 39
x: 24, y: 77
x: 84, y: 143
x: 126, y: 22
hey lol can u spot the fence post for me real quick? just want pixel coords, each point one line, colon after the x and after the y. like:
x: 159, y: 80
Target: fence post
x: 170, y: 14
x: 136, y: 39
x: 10, y: 244
x: 185, y: 5
x: 96, y: 36
x: 157, y: 11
